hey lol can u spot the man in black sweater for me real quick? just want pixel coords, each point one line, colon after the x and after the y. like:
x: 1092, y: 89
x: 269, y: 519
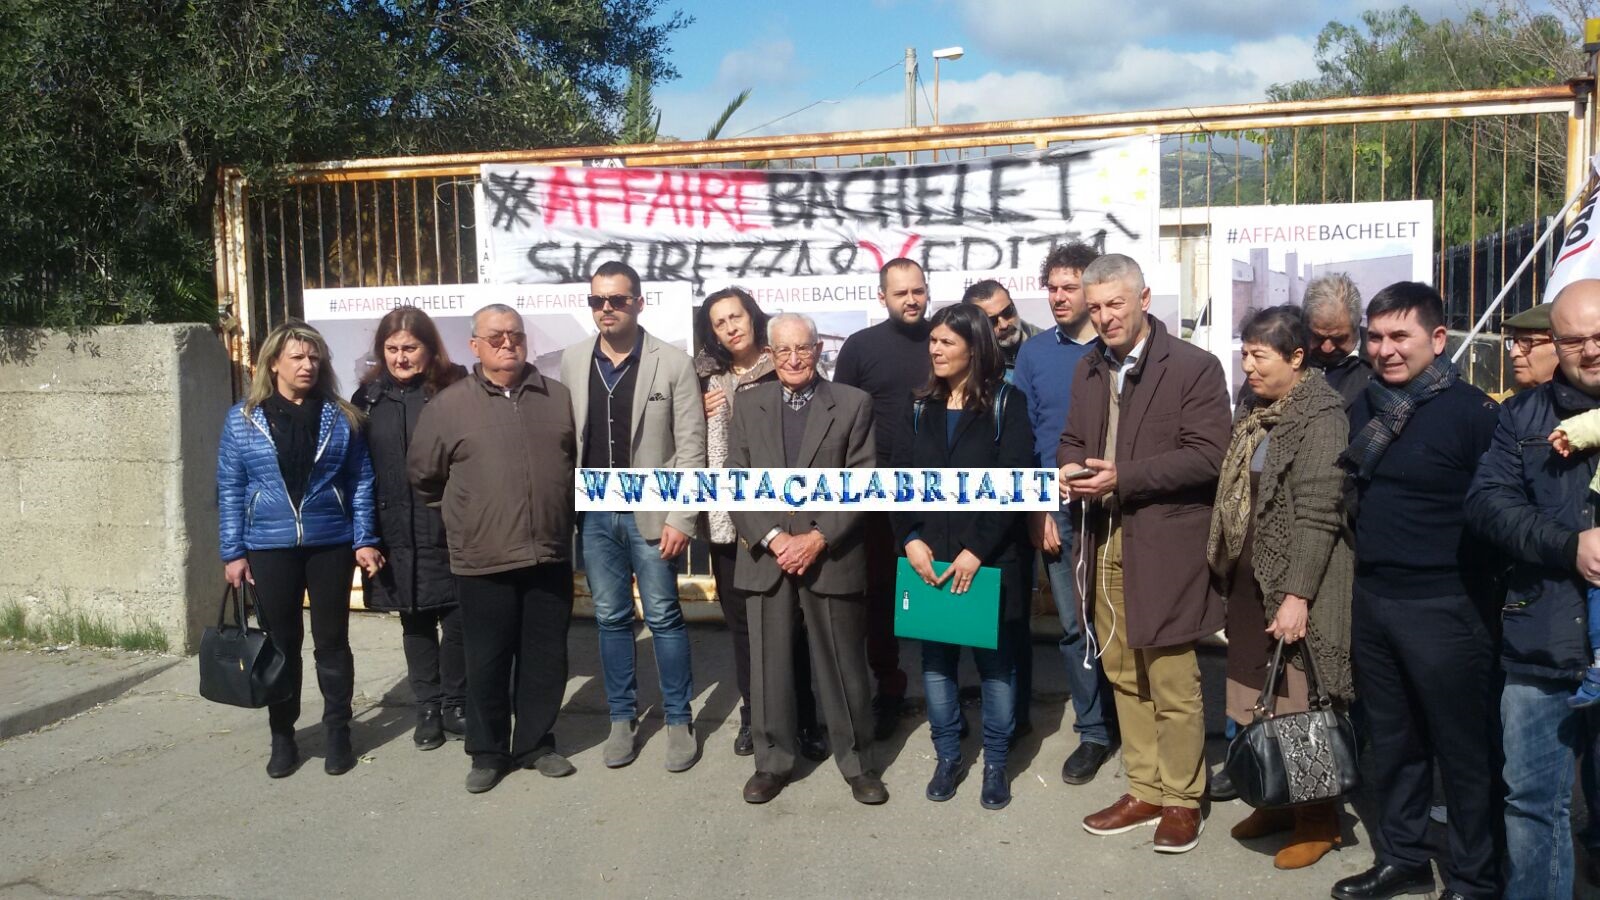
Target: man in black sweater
x: 1422, y: 623
x: 888, y: 361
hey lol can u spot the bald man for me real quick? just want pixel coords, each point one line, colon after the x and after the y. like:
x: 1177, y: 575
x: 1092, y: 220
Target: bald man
x: 1534, y: 505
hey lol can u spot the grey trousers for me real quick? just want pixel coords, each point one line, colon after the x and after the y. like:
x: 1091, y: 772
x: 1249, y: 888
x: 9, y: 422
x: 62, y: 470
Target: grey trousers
x: 837, y: 628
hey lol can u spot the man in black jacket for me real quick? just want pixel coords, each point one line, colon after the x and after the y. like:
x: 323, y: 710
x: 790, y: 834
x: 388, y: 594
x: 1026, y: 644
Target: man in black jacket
x: 1421, y: 636
x: 888, y: 360
x: 1535, y: 506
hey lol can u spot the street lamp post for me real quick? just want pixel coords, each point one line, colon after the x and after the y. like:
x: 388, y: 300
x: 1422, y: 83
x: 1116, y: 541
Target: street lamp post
x: 939, y: 56
x: 952, y: 54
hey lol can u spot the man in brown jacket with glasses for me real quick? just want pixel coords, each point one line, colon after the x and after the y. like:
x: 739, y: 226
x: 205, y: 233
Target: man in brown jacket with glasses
x: 495, y: 452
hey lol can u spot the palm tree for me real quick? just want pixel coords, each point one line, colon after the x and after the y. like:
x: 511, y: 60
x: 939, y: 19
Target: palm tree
x: 641, y: 120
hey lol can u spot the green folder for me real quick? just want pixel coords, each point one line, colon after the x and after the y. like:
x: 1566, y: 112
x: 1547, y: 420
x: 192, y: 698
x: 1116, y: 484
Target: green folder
x: 929, y: 613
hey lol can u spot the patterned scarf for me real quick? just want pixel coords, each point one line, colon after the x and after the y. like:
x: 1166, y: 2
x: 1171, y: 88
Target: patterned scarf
x: 1392, y: 408
x: 1230, y: 516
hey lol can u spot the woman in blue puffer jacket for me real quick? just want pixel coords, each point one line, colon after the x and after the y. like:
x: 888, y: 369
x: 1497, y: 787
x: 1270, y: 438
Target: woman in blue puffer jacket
x: 294, y: 497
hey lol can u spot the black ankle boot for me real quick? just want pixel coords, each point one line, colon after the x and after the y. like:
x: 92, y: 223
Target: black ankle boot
x: 285, y: 756
x: 430, y: 729
x: 341, y: 757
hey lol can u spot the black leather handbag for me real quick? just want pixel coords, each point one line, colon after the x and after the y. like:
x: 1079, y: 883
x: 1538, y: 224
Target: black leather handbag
x: 240, y: 665
x: 1295, y: 758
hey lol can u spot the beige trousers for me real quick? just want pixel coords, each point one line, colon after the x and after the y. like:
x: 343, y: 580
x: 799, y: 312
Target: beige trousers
x: 1157, y: 691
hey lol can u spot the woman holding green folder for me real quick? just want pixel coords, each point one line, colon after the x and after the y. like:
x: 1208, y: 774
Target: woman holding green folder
x: 967, y: 417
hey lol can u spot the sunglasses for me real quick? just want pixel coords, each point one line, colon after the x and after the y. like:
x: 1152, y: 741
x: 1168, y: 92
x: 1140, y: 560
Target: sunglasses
x: 1009, y: 312
x: 499, y: 338
x: 598, y: 302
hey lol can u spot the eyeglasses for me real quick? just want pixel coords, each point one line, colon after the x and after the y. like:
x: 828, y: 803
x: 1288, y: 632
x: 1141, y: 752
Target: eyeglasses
x: 1525, y: 343
x: 1009, y: 312
x: 598, y: 302
x: 802, y: 353
x: 499, y: 338
x: 1577, y: 344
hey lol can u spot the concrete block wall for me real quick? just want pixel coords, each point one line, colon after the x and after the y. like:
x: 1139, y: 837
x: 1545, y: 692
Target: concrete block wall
x: 108, y: 444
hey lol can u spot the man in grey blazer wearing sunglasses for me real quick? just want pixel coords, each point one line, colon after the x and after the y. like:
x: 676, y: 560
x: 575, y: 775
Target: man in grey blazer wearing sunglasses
x: 636, y: 404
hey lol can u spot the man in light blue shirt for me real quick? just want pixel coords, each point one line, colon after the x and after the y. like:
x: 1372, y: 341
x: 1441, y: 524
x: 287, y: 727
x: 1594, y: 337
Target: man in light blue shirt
x: 1044, y: 372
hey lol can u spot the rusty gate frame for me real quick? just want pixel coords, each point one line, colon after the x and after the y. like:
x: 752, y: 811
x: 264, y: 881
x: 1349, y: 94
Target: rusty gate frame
x: 1574, y: 99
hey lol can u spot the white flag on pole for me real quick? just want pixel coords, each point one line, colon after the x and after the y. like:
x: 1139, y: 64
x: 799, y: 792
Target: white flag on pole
x: 1579, y: 256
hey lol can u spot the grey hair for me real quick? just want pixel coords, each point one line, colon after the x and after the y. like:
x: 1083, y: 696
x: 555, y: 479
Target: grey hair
x: 789, y: 317
x: 493, y: 309
x: 1337, y: 291
x: 1115, y: 267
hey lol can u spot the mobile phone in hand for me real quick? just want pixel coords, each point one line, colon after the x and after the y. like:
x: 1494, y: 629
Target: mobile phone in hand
x: 1078, y: 474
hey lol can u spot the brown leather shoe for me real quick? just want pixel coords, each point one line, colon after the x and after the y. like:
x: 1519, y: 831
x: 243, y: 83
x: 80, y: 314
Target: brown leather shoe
x: 1316, y: 832
x: 1122, y: 816
x: 1261, y: 823
x: 761, y: 787
x: 868, y: 788
x: 1179, y: 830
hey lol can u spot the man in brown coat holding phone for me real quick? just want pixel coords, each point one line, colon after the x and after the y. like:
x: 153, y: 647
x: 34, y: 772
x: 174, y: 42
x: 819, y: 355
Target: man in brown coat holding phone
x: 1149, y: 419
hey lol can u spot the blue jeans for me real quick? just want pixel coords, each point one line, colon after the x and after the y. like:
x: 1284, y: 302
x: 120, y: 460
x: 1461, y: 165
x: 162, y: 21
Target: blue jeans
x: 614, y: 553
x: 1543, y: 737
x: 997, y: 672
x: 1094, y: 712
x: 1592, y: 600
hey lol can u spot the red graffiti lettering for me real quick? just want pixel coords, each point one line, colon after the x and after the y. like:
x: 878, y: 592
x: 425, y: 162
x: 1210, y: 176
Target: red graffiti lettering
x: 561, y: 196
x: 877, y: 252
x: 666, y: 197
x: 603, y: 197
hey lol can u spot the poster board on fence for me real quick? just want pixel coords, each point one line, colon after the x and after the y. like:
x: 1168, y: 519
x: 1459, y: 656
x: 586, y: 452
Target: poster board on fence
x: 1265, y: 255
x: 800, y: 240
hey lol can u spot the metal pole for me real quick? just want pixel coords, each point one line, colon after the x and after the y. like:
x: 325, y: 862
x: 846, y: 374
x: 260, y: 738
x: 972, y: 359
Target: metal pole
x: 1512, y: 281
x: 936, y: 62
x: 911, y: 87
x: 911, y: 97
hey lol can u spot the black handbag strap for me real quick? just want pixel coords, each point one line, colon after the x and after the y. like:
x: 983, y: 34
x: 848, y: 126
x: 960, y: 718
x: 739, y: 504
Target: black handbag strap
x: 1267, y: 703
x: 234, y: 597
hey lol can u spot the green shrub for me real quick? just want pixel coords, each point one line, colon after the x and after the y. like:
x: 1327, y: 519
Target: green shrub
x: 79, y: 628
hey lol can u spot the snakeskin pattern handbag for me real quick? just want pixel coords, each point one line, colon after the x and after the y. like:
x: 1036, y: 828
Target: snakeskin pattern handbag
x: 1295, y: 758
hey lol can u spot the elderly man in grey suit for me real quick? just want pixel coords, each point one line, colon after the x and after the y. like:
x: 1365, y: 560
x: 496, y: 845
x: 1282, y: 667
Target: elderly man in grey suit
x: 636, y: 403
x: 810, y: 563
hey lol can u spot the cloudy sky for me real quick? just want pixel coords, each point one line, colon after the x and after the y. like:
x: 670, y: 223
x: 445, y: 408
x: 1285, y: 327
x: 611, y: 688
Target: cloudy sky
x: 1023, y: 58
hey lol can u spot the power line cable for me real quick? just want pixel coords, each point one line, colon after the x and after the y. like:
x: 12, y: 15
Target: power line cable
x: 820, y: 102
x: 924, y: 89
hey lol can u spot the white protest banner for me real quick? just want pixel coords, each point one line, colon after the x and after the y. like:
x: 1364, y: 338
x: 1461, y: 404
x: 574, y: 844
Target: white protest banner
x: 555, y: 316
x: 813, y: 240
x: 1579, y: 255
x: 807, y: 241
x: 1264, y: 256
x: 788, y: 490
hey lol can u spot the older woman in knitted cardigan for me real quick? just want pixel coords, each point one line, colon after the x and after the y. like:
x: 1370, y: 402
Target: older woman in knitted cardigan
x: 1280, y: 550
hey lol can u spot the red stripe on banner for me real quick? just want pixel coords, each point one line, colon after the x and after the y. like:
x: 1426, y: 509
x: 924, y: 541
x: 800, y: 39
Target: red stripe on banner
x: 1574, y: 251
